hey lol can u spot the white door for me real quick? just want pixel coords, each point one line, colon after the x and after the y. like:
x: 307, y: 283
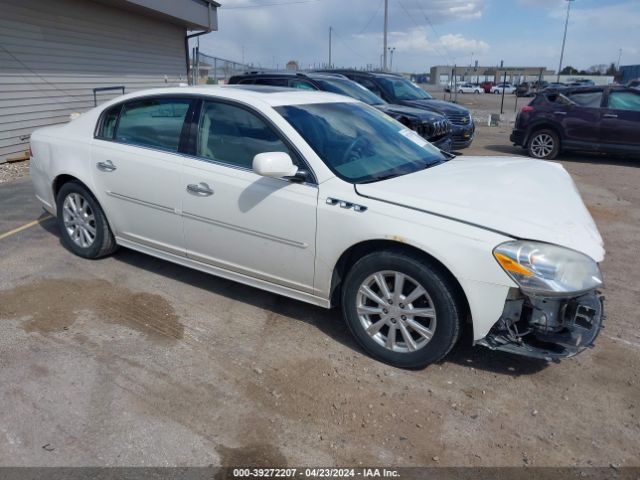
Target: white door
x: 138, y: 171
x: 237, y: 220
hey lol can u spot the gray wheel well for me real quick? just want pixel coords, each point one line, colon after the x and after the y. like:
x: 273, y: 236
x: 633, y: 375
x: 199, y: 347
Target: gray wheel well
x: 359, y: 250
x: 60, y: 180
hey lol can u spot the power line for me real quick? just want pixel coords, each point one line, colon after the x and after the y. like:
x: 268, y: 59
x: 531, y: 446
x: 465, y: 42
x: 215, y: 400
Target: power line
x: 420, y: 26
x: 371, y: 19
x: 426, y: 17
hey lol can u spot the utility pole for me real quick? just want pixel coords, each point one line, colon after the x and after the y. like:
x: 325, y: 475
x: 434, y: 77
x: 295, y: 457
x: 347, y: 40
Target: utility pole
x: 619, y: 55
x: 386, y: 30
x: 330, y: 35
x: 564, y: 38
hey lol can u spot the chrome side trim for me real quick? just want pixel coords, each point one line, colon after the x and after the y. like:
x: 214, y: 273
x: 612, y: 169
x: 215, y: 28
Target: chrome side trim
x: 223, y: 273
x: 141, y: 202
x: 247, y: 231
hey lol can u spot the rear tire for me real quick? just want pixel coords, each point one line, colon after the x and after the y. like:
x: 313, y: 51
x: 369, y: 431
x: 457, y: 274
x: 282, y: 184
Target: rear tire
x: 401, y: 310
x: 544, y: 144
x: 83, y: 225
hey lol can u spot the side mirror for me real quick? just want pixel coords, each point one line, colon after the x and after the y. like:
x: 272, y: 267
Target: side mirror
x: 274, y: 164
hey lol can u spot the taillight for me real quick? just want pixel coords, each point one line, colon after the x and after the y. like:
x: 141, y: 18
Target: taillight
x: 527, y: 109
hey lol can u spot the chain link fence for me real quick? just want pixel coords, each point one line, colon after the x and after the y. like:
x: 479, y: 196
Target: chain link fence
x: 213, y: 70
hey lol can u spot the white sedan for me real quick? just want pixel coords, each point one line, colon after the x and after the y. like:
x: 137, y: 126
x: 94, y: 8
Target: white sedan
x: 507, y: 87
x: 469, y: 88
x: 326, y: 200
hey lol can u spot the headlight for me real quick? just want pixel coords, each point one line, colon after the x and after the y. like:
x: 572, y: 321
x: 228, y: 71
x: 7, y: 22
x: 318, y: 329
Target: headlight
x: 548, y: 269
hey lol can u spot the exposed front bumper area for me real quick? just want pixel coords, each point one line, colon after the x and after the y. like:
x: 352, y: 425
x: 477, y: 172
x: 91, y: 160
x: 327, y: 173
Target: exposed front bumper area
x: 547, y: 328
x: 463, y: 136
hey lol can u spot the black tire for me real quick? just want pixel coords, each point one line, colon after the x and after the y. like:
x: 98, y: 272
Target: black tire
x: 544, y: 144
x: 440, y: 293
x: 104, y: 242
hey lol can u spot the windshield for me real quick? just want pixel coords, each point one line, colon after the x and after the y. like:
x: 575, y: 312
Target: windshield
x: 359, y: 143
x: 403, y: 89
x: 350, y: 89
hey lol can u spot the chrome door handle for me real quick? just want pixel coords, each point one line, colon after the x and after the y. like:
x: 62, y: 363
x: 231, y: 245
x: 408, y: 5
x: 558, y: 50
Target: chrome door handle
x: 559, y: 113
x: 610, y: 115
x: 106, y: 166
x: 201, y: 189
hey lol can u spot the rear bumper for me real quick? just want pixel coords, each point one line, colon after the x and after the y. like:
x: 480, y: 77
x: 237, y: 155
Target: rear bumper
x: 547, y: 328
x: 517, y: 137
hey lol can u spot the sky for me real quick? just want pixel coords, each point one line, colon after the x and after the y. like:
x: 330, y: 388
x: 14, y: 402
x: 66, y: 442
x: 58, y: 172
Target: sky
x: 269, y: 33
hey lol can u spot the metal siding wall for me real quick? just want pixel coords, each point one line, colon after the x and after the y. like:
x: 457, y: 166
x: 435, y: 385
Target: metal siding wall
x: 53, y: 54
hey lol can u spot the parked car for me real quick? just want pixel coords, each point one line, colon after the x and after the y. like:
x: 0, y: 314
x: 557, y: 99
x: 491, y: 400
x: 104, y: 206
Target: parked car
x: 469, y: 88
x: 323, y: 199
x: 430, y: 125
x: 400, y: 91
x: 555, y: 85
x: 507, y: 87
x: 581, y: 82
x: 487, y: 86
x: 597, y: 119
x: 634, y: 83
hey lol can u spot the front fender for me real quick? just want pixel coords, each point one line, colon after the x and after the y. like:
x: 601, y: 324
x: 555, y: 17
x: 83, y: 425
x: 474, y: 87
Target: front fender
x: 465, y: 250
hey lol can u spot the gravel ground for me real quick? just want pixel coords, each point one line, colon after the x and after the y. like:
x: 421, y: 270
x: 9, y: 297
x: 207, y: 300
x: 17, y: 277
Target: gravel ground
x: 130, y: 360
x: 13, y: 170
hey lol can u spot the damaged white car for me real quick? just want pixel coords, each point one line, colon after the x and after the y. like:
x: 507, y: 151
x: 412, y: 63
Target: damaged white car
x: 323, y: 199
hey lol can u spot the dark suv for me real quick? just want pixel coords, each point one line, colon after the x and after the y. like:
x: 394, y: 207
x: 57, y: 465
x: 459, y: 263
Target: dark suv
x: 431, y: 126
x: 596, y: 119
x: 398, y: 90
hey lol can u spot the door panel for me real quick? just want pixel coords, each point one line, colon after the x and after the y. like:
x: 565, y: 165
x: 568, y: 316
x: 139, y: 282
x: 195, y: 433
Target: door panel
x: 138, y: 171
x: 253, y: 225
x: 258, y: 226
x: 621, y: 120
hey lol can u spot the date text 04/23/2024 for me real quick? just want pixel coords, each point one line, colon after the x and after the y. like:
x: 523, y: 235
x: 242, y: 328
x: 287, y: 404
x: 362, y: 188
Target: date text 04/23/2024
x: 315, y: 473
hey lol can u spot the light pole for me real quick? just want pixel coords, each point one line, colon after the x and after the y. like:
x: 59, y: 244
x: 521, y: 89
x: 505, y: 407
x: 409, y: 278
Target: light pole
x: 391, y: 50
x: 619, y: 55
x: 564, y: 38
x: 384, y: 41
x: 330, y: 38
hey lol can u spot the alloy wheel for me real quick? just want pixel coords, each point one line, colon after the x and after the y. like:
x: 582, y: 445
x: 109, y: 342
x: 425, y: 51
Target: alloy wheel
x: 79, y: 220
x: 542, y: 145
x: 396, y: 311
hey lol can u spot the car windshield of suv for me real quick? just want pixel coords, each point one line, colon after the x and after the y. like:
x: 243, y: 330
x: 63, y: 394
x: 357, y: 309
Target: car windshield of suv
x: 359, y: 143
x: 350, y: 89
x: 403, y: 89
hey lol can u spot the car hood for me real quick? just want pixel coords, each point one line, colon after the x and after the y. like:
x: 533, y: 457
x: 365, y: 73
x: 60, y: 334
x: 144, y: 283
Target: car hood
x: 522, y: 198
x: 410, y: 112
x: 445, y: 108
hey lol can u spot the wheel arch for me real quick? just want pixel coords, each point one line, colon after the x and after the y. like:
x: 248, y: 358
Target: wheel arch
x: 354, y: 253
x: 544, y: 125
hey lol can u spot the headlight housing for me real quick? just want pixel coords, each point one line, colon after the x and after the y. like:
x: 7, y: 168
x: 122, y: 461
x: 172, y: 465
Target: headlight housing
x: 546, y: 269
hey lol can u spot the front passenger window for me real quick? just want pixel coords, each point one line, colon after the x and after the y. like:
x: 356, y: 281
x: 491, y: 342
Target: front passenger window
x: 233, y: 135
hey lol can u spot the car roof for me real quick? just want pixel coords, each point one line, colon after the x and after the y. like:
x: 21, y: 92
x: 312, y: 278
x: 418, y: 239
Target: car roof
x: 347, y: 71
x: 289, y: 74
x: 251, y: 94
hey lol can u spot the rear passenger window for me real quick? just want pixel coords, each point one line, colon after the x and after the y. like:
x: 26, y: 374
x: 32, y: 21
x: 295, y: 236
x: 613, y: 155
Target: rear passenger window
x: 233, y: 135
x: 587, y: 99
x: 154, y: 122
x: 108, y: 122
x: 276, y: 82
x: 302, y: 85
x: 624, y: 101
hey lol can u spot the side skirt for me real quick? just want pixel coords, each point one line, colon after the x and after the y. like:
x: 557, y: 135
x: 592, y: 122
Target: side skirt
x: 229, y: 275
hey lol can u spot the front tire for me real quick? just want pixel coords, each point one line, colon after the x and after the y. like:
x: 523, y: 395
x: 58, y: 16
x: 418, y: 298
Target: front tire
x: 544, y: 145
x: 83, y: 225
x: 401, y: 310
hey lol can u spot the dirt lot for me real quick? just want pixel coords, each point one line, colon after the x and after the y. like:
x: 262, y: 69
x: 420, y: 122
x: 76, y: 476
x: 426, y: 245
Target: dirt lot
x: 134, y: 361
